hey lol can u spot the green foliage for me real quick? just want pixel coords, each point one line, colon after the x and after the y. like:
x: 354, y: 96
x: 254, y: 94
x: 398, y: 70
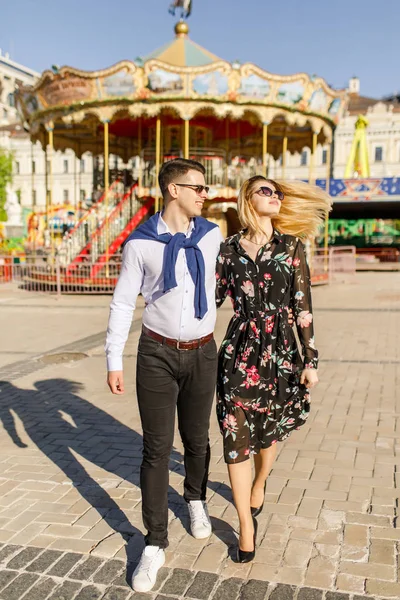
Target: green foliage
x: 6, y: 176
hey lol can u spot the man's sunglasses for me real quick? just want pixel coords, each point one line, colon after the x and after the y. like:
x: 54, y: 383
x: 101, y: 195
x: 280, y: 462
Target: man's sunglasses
x: 199, y: 189
x: 266, y: 191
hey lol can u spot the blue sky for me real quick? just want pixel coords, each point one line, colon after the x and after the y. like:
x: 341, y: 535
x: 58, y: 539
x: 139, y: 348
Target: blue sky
x: 336, y: 39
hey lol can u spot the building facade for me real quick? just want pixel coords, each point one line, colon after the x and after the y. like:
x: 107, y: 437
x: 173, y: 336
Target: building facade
x: 72, y: 177
x: 383, y: 139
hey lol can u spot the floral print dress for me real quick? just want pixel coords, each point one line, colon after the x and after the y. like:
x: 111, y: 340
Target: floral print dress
x: 259, y: 396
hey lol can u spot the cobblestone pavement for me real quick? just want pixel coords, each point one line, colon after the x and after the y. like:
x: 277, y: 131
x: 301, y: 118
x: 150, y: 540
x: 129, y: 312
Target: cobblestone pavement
x: 70, y: 513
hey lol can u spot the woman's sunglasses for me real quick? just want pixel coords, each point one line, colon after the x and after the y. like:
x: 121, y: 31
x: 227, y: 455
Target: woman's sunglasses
x: 266, y: 191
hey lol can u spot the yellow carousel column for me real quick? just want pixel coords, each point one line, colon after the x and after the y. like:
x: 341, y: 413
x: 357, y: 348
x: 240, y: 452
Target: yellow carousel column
x: 140, y: 177
x: 327, y: 188
x: 311, y: 176
x: 106, y: 186
x: 158, y: 152
x: 49, y: 203
x: 284, y: 152
x: 265, y: 147
x: 186, y: 149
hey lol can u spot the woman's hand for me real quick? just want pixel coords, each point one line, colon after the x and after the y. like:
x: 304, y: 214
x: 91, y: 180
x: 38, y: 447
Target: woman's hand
x: 309, y: 378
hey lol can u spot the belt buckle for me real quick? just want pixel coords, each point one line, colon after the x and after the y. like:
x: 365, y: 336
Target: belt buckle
x: 178, y: 347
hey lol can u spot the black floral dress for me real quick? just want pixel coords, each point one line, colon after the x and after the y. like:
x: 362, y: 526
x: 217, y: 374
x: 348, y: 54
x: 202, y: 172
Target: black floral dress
x: 259, y: 396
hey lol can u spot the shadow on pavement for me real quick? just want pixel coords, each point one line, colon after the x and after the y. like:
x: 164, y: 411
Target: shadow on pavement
x: 60, y: 423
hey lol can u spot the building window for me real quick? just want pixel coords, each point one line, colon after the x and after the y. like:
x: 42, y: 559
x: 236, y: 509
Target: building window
x: 11, y: 100
x: 65, y: 166
x: 324, y: 157
x: 33, y: 167
x: 82, y: 166
x: 303, y: 158
x: 34, y: 197
x: 48, y: 166
x: 82, y: 195
x: 17, y: 168
x: 5, y: 113
x: 66, y: 195
x: 378, y: 154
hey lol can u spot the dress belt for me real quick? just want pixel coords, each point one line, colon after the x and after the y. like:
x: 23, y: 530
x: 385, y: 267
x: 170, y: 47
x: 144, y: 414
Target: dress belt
x: 177, y: 344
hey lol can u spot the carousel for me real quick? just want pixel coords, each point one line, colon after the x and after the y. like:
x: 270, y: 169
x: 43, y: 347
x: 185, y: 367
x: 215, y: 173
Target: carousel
x: 180, y: 101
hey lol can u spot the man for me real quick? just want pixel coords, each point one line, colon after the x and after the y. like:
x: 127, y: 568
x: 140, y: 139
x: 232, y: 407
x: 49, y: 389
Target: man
x: 171, y: 260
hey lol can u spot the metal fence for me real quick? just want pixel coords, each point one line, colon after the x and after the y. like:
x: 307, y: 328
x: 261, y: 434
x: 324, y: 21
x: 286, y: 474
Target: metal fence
x: 42, y: 274
x: 342, y: 262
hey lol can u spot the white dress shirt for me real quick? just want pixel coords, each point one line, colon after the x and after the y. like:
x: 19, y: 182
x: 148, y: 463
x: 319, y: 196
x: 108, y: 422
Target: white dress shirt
x: 169, y: 314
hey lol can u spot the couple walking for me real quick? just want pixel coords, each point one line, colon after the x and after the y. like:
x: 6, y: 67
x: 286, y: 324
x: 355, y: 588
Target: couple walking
x: 184, y: 269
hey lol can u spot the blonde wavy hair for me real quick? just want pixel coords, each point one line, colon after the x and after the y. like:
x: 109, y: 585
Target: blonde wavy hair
x: 303, y: 210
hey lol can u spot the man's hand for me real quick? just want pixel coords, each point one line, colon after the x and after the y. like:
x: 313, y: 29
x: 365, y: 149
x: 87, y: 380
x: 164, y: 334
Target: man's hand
x: 309, y: 378
x: 115, y: 381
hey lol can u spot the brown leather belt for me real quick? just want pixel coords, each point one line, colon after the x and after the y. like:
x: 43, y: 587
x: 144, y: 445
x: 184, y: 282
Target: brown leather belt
x: 190, y: 345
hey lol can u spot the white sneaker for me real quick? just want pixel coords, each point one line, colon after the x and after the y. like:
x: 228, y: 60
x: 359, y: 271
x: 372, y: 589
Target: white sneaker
x: 200, y: 524
x: 145, y: 574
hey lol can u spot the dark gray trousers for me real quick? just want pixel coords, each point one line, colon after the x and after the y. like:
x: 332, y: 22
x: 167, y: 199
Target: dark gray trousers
x: 168, y: 379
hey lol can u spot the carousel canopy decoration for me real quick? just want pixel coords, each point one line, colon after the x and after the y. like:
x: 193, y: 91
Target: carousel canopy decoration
x: 181, y: 81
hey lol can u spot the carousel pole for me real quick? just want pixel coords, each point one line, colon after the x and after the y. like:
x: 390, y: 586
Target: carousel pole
x: 106, y: 186
x: 187, y: 135
x: 327, y: 188
x: 284, y: 151
x: 265, y: 147
x: 50, y: 129
x: 140, y: 177
x: 33, y: 197
x: 311, y: 178
x: 79, y: 182
x: 227, y: 161
x: 75, y: 179
x: 158, y: 152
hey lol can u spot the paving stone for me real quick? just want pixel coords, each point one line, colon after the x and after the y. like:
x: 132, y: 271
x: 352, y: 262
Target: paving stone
x: 7, y: 551
x: 336, y: 596
x: 44, y: 561
x: 26, y: 556
x: 109, y: 571
x: 42, y: 589
x: 309, y: 594
x: 65, y: 564
x: 202, y: 586
x: 229, y: 589
x: 254, y: 590
x: 115, y: 593
x: 90, y: 592
x: 282, y: 592
x: 121, y: 580
x: 86, y: 569
x: 6, y: 577
x: 178, y: 582
x: 66, y: 591
x: 19, y: 586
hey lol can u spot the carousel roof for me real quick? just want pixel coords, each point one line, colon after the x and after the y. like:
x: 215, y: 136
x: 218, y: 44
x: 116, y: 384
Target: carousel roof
x: 182, y: 51
x: 180, y: 81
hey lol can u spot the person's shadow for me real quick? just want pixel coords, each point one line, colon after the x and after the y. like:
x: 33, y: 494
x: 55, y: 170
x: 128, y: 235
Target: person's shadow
x: 60, y: 422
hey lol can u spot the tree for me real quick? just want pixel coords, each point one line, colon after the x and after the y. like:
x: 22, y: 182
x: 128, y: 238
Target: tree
x: 6, y: 176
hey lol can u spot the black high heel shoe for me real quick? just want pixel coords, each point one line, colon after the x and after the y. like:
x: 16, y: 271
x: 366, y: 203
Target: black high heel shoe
x: 242, y: 555
x: 256, y: 511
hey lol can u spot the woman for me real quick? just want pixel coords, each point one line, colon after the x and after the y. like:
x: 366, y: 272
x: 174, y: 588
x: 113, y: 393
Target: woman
x: 263, y: 384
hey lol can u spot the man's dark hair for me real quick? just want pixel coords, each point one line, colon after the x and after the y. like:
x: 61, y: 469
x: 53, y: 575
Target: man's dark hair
x: 172, y: 169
